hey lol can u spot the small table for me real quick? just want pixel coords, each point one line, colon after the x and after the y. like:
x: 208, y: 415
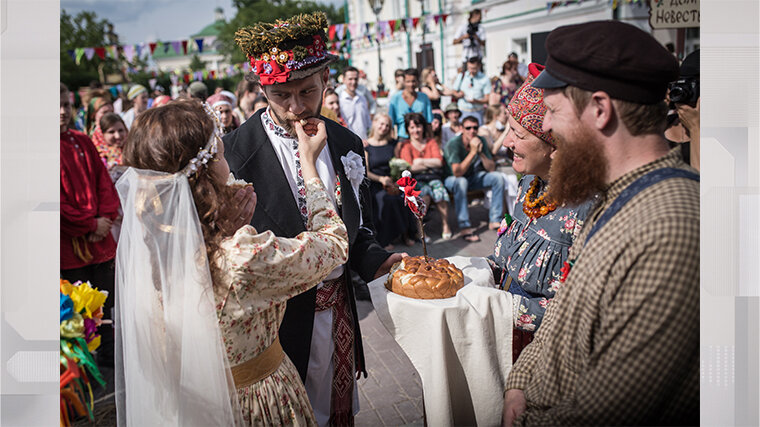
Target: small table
x: 460, y: 346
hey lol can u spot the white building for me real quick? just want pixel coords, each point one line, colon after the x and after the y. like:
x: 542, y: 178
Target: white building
x: 511, y: 25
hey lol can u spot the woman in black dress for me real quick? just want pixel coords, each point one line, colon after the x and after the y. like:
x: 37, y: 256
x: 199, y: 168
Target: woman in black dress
x: 391, y: 218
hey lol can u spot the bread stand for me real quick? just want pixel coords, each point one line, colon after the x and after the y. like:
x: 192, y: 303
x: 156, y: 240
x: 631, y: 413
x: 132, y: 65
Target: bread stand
x: 460, y: 346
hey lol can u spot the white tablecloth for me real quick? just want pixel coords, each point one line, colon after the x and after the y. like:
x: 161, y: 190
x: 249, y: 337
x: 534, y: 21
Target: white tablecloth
x: 460, y: 346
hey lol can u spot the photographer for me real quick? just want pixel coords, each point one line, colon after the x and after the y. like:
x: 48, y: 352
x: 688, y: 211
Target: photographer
x: 683, y: 119
x: 472, y: 36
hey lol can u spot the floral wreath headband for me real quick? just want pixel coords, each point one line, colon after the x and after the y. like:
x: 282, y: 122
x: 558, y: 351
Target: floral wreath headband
x: 276, y: 50
x: 210, y: 149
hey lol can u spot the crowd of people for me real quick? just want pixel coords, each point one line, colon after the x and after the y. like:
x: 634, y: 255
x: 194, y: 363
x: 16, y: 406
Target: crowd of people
x: 599, y: 246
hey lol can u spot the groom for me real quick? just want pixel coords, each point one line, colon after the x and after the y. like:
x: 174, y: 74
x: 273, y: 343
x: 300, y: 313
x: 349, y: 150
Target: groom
x: 320, y: 330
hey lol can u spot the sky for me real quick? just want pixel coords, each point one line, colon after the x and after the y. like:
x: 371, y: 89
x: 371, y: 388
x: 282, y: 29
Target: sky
x: 137, y: 21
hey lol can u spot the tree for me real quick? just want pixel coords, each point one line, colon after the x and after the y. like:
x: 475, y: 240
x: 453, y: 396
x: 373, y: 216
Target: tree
x: 85, y: 30
x: 196, y: 64
x: 252, y: 11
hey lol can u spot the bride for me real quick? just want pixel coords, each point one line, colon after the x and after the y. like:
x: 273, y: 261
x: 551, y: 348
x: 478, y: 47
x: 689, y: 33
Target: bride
x: 200, y: 293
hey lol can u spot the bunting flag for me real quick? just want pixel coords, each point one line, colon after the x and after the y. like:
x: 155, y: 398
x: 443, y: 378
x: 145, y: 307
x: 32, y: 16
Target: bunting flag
x: 184, y: 47
x: 72, y: 54
x: 199, y: 42
x: 174, y: 79
x: 415, y: 22
x: 152, y: 47
x: 392, y: 26
x: 339, y: 31
x: 89, y: 52
x: 331, y: 32
x: 166, y: 47
x: 186, y: 77
x: 114, y: 50
x: 139, y: 48
x: 129, y: 52
x: 101, y: 52
x: 212, y: 73
x: 175, y: 45
x: 152, y: 83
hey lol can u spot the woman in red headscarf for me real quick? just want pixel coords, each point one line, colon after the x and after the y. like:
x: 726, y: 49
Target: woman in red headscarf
x: 530, y: 252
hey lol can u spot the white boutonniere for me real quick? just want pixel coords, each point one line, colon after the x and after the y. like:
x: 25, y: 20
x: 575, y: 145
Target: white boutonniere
x: 354, y: 168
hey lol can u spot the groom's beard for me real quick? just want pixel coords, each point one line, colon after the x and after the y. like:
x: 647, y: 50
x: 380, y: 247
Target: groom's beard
x: 287, y: 121
x: 579, y: 168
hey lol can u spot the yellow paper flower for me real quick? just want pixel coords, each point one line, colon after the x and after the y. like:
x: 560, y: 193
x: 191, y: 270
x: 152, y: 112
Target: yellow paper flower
x: 265, y: 57
x: 87, y: 298
x: 282, y: 58
x: 74, y: 327
x: 66, y: 287
x: 94, y: 344
x: 274, y: 51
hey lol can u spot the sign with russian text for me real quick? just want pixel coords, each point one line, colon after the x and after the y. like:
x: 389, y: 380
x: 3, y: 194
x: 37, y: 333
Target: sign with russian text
x: 673, y: 13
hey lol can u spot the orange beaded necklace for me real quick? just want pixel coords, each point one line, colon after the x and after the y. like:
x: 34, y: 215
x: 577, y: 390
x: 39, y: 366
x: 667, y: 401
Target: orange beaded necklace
x: 540, y: 206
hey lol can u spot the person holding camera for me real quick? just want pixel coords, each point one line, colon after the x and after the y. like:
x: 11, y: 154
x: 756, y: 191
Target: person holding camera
x: 683, y: 97
x: 472, y: 36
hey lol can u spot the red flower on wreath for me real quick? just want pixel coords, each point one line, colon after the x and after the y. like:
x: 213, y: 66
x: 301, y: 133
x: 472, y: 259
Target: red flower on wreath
x: 406, y: 181
x: 565, y: 270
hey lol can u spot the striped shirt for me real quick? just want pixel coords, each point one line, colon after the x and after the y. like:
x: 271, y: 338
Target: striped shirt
x: 620, y: 342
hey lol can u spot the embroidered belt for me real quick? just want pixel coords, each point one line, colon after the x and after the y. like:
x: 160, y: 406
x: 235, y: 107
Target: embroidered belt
x: 327, y: 295
x: 260, y: 367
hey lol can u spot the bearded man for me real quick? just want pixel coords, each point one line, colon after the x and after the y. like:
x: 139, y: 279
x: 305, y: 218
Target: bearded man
x: 320, y: 329
x: 620, y: 342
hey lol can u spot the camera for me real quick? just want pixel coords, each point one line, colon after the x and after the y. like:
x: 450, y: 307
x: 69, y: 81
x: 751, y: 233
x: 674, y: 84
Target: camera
x: 684, y: 91
x: 472, y: 29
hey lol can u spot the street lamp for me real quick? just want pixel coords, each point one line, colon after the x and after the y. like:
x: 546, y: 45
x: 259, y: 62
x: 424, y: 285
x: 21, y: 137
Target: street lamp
x: 377, y: 6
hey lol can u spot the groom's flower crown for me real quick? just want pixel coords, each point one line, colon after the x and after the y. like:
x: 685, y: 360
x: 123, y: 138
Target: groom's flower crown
x: 286, y: 50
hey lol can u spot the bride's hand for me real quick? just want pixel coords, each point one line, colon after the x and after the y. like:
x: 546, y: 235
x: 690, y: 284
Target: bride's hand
x: 312, y: 138
x: 240, y: 210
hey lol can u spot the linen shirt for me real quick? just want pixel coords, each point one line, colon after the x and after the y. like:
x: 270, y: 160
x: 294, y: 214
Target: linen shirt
x: 320, y: 370
x: 398, y: 108
x: 355, y: 111
x: 474, y: 87
x: 620, y: 342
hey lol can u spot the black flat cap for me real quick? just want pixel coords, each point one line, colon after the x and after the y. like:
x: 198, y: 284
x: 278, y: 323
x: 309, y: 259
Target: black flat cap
x: 610, y: 56
x: 690, y: 65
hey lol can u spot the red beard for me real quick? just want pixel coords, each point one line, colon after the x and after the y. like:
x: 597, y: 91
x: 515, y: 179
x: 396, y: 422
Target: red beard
x: 579, y: 168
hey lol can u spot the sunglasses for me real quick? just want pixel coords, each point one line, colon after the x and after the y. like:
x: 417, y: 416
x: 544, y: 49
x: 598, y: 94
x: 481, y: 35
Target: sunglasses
x: 470, y: 127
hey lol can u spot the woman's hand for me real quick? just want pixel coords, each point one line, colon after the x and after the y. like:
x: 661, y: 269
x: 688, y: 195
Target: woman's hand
x: 386, y: 181
x: 240, y: 210
x: 514, y: 406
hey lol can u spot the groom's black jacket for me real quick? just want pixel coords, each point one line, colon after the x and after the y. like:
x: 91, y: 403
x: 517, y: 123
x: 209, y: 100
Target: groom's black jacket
x: 251, y: 157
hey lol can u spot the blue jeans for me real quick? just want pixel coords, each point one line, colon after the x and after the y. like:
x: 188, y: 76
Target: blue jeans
x: 459, y: 186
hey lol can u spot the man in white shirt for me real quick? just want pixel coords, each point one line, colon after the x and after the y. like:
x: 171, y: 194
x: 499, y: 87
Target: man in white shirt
x: 353, y: 106
x: 472, y: 36
x: 320, y: 329
x: 472, y: 88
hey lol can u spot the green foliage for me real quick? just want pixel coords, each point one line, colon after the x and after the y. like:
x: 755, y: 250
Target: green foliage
x: 84, y: 30
x: 250, y: 12
x: 196, y: 64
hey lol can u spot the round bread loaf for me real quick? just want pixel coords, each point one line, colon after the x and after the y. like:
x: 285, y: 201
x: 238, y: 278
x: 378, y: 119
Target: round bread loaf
x: 416, y: 277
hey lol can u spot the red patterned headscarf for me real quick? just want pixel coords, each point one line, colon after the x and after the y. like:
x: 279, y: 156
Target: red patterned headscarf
x: 527, y: 106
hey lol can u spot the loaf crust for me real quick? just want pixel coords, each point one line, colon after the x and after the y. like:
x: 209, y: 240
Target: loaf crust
x: 416, y: 277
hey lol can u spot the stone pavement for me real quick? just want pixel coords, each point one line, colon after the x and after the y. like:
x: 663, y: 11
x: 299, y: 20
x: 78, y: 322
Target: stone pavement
x: 391, y: 395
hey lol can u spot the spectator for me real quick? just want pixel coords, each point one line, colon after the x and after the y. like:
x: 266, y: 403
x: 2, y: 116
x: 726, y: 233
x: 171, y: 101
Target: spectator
x: 331, y: 107
x: 424, y: 154
x: 472, y: 36
x: 435, y: 128
x: 495, y: 129
x: 138, y: 95
x: 247, y: 93
x: 452, y: 127
x: 260, y: 102
x: 198, y: 90
x: 114, y: 134
x: 408, y: 101
x: 361, y: 89
x: 433, y: 88
x: 223, y: 107
x: 89, y: 205
x: 161, y: 100
x: 354, y: 108
x: 521, y: 67
x: 99, y: 104
x: 471, y: 167
x: 398, y: 78
x: 505, y: 85
x: 687, y: 104
x: 472, y: 88
x: 392, y: 219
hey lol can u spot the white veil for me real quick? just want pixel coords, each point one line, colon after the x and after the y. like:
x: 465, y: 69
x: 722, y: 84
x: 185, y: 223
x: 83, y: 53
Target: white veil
x: 171, y: 366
